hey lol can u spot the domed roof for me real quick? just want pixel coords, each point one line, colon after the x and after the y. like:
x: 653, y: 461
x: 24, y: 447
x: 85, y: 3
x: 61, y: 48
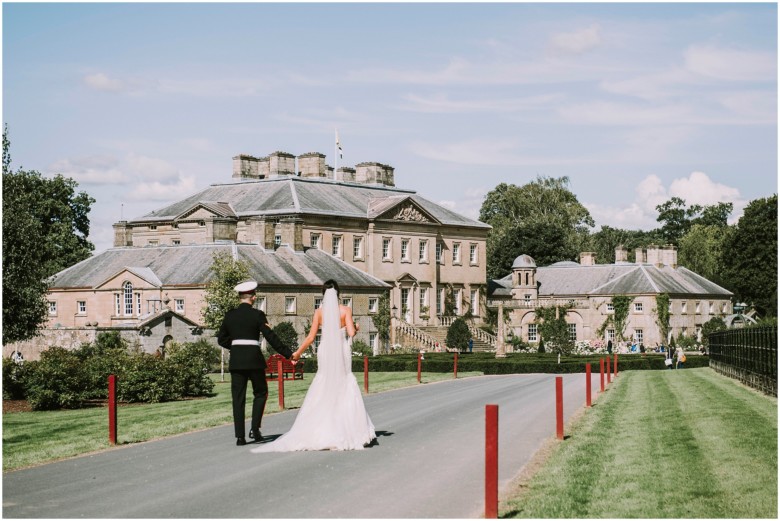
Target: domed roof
x: 524, y: 261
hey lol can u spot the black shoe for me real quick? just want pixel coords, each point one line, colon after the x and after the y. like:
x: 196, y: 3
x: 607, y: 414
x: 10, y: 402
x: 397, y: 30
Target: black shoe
x: 240, y: 441
x: 255, y: 434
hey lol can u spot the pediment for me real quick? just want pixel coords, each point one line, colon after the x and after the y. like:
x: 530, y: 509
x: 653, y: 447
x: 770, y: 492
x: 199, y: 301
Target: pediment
x: 406, y: 277
x: 141, y: 277
x: 406, y: 210
x: 205, y: 210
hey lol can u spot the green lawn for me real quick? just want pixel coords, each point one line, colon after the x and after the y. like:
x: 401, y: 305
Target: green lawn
x: 661, y: 444
x: 32, y: 438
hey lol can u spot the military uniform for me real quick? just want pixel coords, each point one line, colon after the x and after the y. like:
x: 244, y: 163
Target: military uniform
x: 240, y: 333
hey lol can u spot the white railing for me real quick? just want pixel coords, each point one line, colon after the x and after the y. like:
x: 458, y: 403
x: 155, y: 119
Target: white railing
x: 541, y: 302
x: 425, y: 340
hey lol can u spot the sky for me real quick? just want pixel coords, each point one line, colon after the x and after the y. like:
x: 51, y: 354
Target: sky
x: 144, y: 104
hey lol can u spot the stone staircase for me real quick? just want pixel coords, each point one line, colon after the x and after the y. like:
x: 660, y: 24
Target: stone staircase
x: 440, y: 334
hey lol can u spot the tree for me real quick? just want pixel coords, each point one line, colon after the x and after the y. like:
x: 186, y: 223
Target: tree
x: 749, y: 256
x: 542, y: 218
x: 604, y: 241
x: 700, y: 251
x: 45, y: 229
x: 662, y: 315
x: 677, y: 219
x: 287, y: 334
x: 553, y: 328
x: 220, y: 296
x: 382, y: 318
x: 458, y: 335
x: 713, y: 325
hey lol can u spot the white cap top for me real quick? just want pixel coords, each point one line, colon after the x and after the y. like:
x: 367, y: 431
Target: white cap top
x: 246, y: 287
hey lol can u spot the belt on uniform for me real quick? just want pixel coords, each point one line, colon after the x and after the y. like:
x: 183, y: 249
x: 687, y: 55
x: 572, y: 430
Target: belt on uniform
x: 245, y: 343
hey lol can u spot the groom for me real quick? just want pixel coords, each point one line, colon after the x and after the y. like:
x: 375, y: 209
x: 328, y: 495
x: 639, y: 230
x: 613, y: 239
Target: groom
x: 240, y: 333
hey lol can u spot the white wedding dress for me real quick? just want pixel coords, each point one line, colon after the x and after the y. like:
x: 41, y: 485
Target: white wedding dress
x: 333, y: 416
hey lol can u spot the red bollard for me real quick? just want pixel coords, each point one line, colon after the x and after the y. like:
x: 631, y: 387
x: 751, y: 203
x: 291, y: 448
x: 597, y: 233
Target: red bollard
x: 491, y: 461
x: 280, y: 375
x: 609, y: 371
x: 112, y: 409
x: 587, y: 384
x: 419, y: 368
x: 365, y: 373
x: 559, y: 407
x: 614, y: 366
x: 455, y: 370
x: 601, y: 364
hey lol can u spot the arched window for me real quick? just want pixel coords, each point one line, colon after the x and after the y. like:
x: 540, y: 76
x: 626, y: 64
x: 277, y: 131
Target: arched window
x: 128, y: 290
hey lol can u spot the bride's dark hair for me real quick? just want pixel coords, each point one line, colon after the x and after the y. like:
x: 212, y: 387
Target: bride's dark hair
x: 330, y: 283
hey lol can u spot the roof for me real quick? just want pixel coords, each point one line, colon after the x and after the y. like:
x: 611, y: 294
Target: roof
x: 572, y: 279
x: 315, y: 196
x: 524, y: 261
x: 191, y: 265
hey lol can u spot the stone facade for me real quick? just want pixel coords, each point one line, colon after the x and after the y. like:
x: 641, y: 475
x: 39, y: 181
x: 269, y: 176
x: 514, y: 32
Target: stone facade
x: 588, y: 288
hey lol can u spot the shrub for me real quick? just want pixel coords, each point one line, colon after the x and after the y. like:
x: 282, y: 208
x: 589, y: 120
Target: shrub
x: 287, y: 334
x: 15, y: 378
x: 57, y: 382
x: 458, y: 335
x: 360, y: 348
x: 189, y: 365
x: 147, y: 378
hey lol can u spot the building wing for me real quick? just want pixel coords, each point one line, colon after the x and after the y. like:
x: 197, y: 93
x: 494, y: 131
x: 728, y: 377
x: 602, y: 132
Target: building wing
x: 191, y: 265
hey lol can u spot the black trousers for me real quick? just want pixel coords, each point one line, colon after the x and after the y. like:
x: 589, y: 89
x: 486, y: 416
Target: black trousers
x: 238, y: 384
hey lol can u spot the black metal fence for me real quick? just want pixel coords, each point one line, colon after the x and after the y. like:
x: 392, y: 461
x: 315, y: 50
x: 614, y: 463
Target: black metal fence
x: 748, y: 355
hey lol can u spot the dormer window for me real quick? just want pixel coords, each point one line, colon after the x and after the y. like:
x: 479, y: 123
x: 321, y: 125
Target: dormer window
x: 152, y: 227
x: 201, y: 223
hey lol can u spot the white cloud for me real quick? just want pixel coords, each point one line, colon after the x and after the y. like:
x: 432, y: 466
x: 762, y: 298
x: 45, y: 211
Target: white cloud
x: 698, y: 188
x: 95, y: 169
x: 488, y: 152
x: 577, y: 42
x: 100, y: 81
x: 731, y: 64
x: 641, y: 213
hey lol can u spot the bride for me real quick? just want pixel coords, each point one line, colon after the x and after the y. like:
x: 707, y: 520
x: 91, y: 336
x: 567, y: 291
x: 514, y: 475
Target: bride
x: 333, y: 416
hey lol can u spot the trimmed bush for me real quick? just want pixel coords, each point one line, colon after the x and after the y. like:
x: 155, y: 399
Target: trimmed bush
x: 189, y: 364
x: 147, y: 378
x: 57, y: 382
x: 458, y: 335
x: 15, y: 377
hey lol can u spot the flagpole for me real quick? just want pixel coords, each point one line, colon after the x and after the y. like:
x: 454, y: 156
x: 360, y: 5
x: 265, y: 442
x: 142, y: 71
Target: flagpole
x: 336, y: 157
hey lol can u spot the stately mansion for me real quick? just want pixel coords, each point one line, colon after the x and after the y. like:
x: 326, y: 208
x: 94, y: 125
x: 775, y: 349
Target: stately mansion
x: 296, y: 223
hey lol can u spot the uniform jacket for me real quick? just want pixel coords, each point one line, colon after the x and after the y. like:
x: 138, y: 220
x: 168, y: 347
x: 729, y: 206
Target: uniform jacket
x: 247, y: 323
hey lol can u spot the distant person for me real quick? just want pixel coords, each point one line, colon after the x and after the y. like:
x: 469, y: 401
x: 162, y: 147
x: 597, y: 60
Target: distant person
x: 17, y: 356
x: 609, y: 347
x: 471, y: 345
x: 680, y: 353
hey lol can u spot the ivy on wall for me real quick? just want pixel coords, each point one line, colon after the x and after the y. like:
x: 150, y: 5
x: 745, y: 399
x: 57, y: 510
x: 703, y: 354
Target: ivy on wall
x: 662, y: 315
x: 619, y: 317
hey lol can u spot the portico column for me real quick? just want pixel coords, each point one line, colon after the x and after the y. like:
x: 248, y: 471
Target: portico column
x: 500, y: 349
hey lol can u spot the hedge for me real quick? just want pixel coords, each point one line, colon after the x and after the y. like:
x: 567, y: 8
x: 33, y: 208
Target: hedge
x: 514, y: 363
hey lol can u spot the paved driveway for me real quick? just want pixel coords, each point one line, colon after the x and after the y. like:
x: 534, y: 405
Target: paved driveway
x: 428, y: 462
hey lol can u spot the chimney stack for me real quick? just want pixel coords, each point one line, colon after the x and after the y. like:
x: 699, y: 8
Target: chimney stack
x: 639, y: 255
x: 312, y: 164
x: 621, y: 254
x: 669, y: 255
x: 374, y: 173
x: 281, y: 164
x: 654, y: 255
x: 291, y: 230
x: 587, y: 258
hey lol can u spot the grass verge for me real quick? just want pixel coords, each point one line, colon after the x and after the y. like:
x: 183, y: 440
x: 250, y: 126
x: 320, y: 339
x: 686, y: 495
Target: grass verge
x: 661, y: 444
x: 33, y: 438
